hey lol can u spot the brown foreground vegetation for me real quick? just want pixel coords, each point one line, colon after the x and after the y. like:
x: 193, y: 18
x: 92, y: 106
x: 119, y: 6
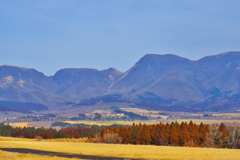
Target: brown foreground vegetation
x: 174, y: 134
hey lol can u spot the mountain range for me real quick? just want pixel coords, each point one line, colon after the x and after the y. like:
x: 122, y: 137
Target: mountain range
x: 166, y: 82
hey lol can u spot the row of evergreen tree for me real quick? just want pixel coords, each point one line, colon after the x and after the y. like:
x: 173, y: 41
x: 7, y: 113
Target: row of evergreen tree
x: 47, y: 133
x: 174, y: 134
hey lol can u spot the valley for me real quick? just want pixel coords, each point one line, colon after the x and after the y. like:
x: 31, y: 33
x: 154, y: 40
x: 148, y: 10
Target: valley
x: 109, y: 117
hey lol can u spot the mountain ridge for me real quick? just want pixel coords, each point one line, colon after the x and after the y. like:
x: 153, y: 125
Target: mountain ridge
x: 155, y: 80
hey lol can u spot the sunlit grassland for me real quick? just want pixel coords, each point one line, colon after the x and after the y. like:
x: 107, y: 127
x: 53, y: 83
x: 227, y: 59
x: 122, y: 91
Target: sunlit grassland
x: 21, y: 124
x: 126, y: 151
x: 19, y: 156
x: 14, y: 139
x: 31, y: 124
x: 79, y: 140
x: 145, y: 112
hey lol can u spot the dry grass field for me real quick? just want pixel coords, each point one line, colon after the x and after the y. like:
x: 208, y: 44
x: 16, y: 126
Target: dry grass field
x: 145, y: 112
x: 115, y: 150
x: 208, y: 121
x: 22, y: 124
x: 227, y: 114
x: 79, y: 140
x: 19, y: 156
x: 32, y: 124
x: 139, y: 111
x: 197, y: 121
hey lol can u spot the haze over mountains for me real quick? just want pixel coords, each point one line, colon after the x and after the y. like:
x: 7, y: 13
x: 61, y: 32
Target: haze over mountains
x: 166, y: 82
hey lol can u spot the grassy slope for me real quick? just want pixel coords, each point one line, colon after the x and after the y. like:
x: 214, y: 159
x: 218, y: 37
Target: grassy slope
x: 126, y: 151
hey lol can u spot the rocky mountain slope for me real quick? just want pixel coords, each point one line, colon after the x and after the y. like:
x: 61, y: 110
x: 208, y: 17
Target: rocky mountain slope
x: 167, y: 76
x: 65, y: 87
x: 27, y: 85
x: 155, y: 81
x: 78, y: 84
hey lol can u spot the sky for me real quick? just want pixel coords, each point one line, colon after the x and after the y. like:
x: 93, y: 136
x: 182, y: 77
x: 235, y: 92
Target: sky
x: 55, y: 34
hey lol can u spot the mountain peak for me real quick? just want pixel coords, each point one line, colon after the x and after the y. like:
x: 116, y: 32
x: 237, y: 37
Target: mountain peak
x: 112, y: 73
x: 110, y: 70
x: 156, y: 79
x: 167, y: 59
x: 230, y: 53
x: 152, y: 55
x: 76, y: 69
x: 9, y: 66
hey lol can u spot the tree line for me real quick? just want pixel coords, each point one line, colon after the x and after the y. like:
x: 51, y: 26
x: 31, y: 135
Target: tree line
x: 164, y: 134
x: 174, y: 134
x: 47, y: 133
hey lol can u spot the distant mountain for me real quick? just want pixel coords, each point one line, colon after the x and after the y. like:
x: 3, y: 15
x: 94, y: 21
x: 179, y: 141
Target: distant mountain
x: 21, y: 107
x: 169, y: 80
x: 166, y: 82
x: 4, y: 108
x: 27, y: 85
x: 167, y: 76
x: 78, y: 84
x: 65, y: 87
x: 223, y: 71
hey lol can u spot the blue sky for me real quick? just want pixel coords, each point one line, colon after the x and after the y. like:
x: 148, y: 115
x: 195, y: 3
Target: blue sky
x: 55, y: 34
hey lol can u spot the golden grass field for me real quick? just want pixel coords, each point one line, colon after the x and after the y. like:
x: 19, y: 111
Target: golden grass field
x: 32, y: 124
x: 80, y: 140
x: 114, y: 150
x: 21, y: 124
x: 19, y: 156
